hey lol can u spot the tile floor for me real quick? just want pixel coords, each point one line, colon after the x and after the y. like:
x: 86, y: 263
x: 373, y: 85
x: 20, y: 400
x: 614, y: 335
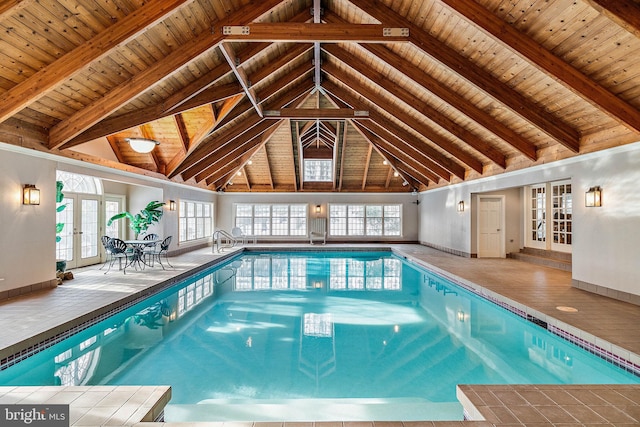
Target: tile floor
x: 29, y: 319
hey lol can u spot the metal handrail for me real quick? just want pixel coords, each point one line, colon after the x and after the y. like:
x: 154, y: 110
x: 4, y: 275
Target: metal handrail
x: 222, y: 239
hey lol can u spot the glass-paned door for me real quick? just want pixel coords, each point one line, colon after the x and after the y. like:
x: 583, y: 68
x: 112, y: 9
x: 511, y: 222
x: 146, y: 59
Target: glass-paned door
x: 561, y: 210
x: 79, y: 238
x: 537, y: 235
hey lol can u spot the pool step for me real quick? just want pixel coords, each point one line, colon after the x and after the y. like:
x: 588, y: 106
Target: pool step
x: 398, y: 409
x: 553, y: 259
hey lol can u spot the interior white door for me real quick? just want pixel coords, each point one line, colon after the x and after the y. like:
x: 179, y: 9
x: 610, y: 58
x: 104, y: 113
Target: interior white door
x: 491, y: 227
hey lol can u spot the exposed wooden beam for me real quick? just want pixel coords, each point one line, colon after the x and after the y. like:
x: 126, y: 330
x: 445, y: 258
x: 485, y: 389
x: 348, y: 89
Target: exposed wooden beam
x: 458, y: 102
x: 228, y: 149
x: 367, y: 163
x: 197, y: 140
x: 241, y: 76
x: 217, y: 140
x: 122, y: 94
x: 518, y: 103
x: 625, y: 13
x: 67, y: 66
x: 309, y: 32
x: 317, y: 60
x: 272, y: 66
x: 183, y: 134
x: 147, y: 132
x: 403, y: 146
x: 137, y: 118
x: 418, y: 126
x: 266, y: 155
x: 241, y: 151
x: 596, y: 94
x: 398, y: 154
x: 401, y: 139
x: 196, y: 87
x: 9, y: 7
x: 447, y: 124
x: 315, y: 113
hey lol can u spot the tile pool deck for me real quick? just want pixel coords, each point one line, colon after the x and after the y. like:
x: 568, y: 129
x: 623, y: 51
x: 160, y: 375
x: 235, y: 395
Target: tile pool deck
x: 609, y: 324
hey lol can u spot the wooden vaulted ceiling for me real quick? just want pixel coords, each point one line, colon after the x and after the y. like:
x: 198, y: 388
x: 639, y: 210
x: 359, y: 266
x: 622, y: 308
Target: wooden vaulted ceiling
x: 402, y: 95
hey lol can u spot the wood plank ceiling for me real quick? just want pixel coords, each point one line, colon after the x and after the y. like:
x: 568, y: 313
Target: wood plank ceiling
x: 397, y: 95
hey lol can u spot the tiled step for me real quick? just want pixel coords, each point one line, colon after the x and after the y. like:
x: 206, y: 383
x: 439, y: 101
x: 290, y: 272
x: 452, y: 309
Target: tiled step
x: 553, y: 259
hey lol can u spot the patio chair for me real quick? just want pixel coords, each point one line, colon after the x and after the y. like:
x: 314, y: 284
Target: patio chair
x: 318, y: 230
x: 164, y: 249
x: 151, y: 247
x: 238, y: 235
x: 107, y: 251
x: 119, y: 251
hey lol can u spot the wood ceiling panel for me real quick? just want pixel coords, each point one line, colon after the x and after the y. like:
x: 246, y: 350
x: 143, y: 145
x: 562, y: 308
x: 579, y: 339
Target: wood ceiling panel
x: 451, y: 99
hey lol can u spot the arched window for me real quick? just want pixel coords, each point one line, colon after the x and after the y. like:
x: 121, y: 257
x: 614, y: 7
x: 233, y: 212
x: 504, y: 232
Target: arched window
x: 76, y: 183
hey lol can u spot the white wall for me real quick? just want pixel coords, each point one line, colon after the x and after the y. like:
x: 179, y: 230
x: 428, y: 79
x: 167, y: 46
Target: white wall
x: 606, y: 240
x: 26, y: 230
x: 226, y: 202
x: 27, y: 233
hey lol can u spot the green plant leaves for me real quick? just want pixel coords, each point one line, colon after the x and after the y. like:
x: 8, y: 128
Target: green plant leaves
x: 140, y: 222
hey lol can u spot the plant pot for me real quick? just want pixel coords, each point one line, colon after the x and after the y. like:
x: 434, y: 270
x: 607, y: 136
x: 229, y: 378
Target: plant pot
x: 61, y: 265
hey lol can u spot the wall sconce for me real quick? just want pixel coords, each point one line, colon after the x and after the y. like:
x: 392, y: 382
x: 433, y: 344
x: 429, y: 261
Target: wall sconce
x: 593, y: 197
x: 172, y: 205
x: 30, y: 195
x: 142, y: 145
x: 460, y: 316
x: 461, y: 206
x: 318, y: 208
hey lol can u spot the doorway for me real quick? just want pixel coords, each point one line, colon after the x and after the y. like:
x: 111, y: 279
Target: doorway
x: 79, y: 240
x: 491, y: 227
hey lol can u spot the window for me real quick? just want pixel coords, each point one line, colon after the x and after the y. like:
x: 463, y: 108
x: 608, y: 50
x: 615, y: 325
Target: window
x: 272, y: 219
x: 365, y: 220
x: 196, y: 220
x: 318, y: 170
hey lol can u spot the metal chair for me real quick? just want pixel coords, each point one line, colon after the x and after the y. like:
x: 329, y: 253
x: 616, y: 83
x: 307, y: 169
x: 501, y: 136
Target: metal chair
x: 107, y: 251
x: 119, y: 250
x: 164, y: 249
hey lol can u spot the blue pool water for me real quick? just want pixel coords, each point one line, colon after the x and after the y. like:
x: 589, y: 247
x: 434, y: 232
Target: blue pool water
x: 302, y: 336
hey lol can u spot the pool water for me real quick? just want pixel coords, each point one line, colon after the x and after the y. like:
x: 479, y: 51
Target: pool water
x: 314, y: 336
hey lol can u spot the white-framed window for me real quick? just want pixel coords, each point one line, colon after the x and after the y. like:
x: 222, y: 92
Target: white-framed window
x: 278, y: 219
x: 319, y: 170
x: 365, y: 220
x: 195, y: 219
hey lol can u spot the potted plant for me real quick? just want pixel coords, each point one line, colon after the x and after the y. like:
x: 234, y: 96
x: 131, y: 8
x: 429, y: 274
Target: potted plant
x: 61, y: 264
x: 141, y: 221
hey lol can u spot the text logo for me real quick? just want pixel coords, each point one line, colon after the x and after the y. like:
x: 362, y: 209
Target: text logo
x: 34, y: 415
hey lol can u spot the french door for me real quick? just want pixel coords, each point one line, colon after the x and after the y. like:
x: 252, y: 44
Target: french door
x: 549, y: 221
x: 79, y: 238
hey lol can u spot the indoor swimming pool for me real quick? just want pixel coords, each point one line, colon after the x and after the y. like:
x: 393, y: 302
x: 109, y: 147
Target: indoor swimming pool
x: 314, y: 336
